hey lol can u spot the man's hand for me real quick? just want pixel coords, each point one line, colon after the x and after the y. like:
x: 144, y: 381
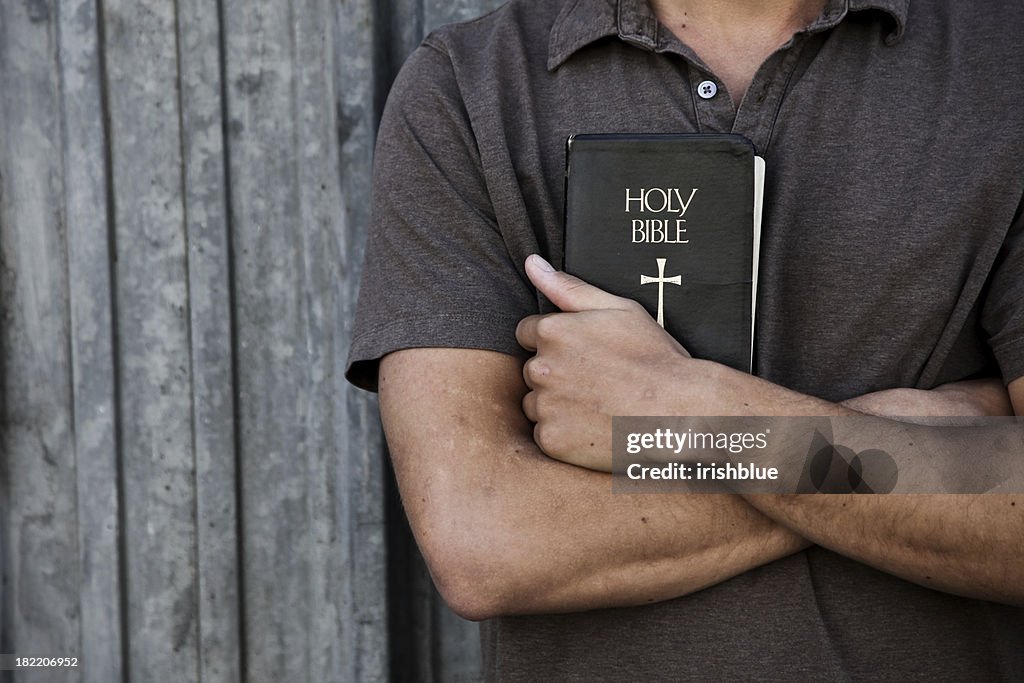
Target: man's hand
x: 605, y: 356
x: 602, y: 356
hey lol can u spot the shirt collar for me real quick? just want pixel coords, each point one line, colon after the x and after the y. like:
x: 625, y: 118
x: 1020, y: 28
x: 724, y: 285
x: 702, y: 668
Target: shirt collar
x: 582, y: 22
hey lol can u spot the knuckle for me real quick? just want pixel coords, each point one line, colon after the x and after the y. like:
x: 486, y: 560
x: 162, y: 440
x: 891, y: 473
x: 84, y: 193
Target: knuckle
x: 530, y: 406
x: 541, y: 403
x: 534, y: 372
x: 528, y: 372
x: 551, y: 437
x: 526, y: 331
x: 547, y: 327
x: 544, y: 436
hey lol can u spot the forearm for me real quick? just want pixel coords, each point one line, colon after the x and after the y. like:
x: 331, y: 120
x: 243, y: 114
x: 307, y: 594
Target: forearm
x: 572, y: 545
x: 969, y: 545
x: 506, y: 530
x: 575, y: 546
x: 965, y: 544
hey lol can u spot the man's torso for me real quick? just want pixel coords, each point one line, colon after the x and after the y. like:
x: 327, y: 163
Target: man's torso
x: 895, y: 153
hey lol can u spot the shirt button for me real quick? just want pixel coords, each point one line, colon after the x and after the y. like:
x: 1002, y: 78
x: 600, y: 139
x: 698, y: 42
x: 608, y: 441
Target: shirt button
x: 707, y: 89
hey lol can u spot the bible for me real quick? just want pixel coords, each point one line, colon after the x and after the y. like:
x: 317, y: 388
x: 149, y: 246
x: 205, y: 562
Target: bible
x: 674, y: 222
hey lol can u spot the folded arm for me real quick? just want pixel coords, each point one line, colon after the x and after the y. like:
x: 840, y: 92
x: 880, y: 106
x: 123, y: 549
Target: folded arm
x: 506, y: 530
x: 971, y: 545
x: 584, y: 373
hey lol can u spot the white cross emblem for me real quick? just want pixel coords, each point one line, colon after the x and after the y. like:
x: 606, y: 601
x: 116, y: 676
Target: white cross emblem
x: 661, y: 280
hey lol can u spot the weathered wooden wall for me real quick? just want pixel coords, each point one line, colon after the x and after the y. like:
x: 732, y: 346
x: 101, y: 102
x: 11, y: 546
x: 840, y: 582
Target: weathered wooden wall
x: 189, y: 491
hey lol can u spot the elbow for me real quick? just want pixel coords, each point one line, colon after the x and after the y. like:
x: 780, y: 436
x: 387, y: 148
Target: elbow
x: 469, y: 598
x: 473, y: 573
x: 474, y: 585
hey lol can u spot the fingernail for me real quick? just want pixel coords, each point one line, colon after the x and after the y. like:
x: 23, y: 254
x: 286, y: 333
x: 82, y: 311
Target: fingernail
x: 542, y: 263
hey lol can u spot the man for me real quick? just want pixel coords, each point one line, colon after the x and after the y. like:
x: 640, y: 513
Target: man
x: 892, y: 271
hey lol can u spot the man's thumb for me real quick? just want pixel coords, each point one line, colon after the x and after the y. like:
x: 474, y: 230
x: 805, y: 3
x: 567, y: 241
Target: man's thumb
x: 566, y: 291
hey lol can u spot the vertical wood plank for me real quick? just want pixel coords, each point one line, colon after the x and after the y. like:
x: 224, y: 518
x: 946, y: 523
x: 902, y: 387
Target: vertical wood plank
x: 154, y: 371
x: 357, y: 60
x: 92, y: 345
x: 333, y: 633
x: 271, y: 341
x: 289, y: 262
x: 210, y: 299
x: 38, y: 492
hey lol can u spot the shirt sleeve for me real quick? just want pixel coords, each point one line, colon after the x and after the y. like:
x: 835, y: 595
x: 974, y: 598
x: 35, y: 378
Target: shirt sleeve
x: 1002, y: 313
x: 437, y: 272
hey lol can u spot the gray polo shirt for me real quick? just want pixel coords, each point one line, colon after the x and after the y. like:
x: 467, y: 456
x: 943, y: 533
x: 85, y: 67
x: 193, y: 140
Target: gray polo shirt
x: 892, y: 256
